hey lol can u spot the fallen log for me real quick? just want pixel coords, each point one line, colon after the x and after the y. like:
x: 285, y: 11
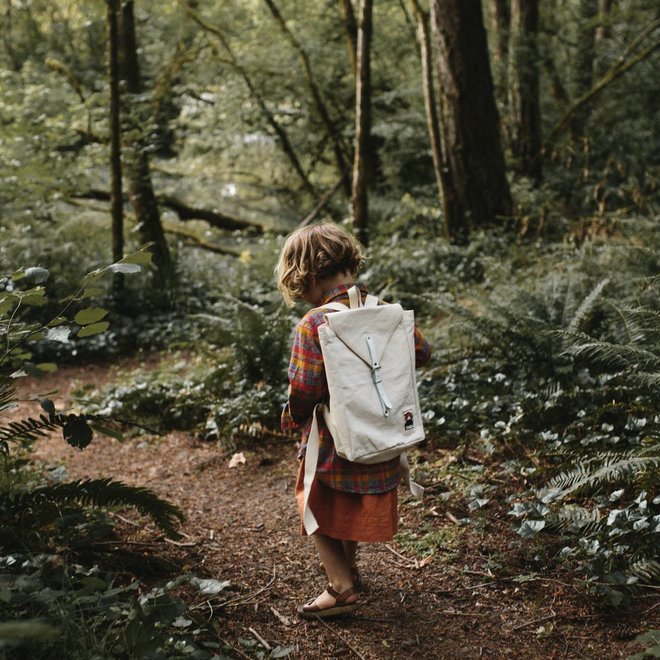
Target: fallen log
x: 186, y: 212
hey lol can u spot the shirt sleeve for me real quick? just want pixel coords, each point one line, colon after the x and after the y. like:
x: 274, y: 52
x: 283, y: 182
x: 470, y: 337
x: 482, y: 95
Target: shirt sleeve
x: 307, y: 384
x: 422, y: 349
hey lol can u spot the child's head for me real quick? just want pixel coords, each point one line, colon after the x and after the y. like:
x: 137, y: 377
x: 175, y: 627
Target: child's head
x: 315, y: 253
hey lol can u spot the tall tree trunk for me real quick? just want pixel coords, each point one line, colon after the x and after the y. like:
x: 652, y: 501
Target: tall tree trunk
x: 430, y: 107
x: 501, y: 26
x: 524, y: 103
x: 319, y: 103
x: 470, y: 121
x: 350, y: 26
x: 361, y: 165
x: 138, y: 170
x: 583, y: 62
x: 116, y: 194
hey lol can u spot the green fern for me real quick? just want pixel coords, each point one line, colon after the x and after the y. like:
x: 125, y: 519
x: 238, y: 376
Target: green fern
x: 40, y: 506
x: 604, y: 468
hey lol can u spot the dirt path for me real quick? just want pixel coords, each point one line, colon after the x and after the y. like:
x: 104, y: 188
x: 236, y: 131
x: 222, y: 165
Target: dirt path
x: 242, y: 526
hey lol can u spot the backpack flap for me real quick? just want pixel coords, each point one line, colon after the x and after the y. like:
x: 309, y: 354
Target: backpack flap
x: 353, y: 326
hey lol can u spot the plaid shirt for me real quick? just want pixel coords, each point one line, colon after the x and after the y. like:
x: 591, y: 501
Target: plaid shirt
x: 308, y: 386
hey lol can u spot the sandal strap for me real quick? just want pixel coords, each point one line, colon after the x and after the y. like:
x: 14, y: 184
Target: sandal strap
x: 340, y: 597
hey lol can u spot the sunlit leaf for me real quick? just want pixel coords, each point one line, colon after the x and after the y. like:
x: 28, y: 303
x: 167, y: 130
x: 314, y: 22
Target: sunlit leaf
x: 36, y: 275
x: 531, y: 528
x: 124, y: 268
x: 137, y: 258
x: 59, y: 334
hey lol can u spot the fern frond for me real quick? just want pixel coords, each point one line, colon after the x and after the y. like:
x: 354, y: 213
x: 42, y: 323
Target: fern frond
x: 576, y: 520
x: 617, y: 356
x: 94, y: 493
x: 647, y: 570
x: 610, y: 468
x: 30, y: 429
x: 7, y: 392
x: 587, y: 305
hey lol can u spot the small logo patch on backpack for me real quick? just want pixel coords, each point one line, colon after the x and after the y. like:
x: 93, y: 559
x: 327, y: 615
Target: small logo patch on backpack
x: 408, y: 422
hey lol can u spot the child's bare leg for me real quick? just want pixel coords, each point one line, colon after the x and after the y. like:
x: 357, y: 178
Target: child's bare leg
x: 350, y: 552
x: 331, y: 552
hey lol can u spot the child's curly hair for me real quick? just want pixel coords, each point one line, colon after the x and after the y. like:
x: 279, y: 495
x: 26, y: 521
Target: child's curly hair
x: 313, y: 253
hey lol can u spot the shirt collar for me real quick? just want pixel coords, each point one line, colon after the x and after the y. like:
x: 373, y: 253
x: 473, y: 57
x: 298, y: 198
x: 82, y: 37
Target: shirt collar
x: 340, y: 290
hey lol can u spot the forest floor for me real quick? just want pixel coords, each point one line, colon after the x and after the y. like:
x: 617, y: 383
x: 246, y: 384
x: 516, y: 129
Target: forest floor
x: 242, y: 526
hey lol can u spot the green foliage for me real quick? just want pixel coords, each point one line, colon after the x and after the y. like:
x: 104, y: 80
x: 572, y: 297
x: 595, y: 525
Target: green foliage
x: 68, y: 610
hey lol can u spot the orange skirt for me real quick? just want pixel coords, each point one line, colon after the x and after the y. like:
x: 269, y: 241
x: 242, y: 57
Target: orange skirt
x: 349, y: 516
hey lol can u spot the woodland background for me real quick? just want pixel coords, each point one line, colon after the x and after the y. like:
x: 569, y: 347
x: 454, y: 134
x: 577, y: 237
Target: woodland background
x: 500, y: 160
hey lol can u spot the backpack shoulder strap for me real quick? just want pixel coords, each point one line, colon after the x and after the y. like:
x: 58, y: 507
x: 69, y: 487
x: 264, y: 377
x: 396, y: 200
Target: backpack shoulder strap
x: 355, y: 299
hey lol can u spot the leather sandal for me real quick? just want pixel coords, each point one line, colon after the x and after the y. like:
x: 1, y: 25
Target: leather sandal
x: 311, y: 611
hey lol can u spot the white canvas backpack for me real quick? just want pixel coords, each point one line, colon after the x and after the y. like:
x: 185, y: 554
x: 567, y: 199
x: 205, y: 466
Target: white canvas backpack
x: 373, y: 413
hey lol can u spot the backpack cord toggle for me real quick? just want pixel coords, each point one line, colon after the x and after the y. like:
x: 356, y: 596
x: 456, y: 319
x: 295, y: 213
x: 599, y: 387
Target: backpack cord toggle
x: 375, y: 376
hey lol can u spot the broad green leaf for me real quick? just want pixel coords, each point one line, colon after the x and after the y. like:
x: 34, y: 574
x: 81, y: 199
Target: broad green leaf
x: 59, y: 334
x: 211, y: 587
x: 77, y: 432
x: 90, y: 315
x: 137, y: 258
x: 93, y: 329
x: 6, y: 303
x: 124, y: 268
x: 35, y: 297
x: 57, y: 321
x: 531, y: 528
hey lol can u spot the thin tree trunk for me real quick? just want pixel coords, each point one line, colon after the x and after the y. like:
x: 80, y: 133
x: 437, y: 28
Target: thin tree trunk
x: 350, y: 25
x: 583, y: 62
x: 359, y: 197
x: 470, y: 121
x: 524, y: 102
x: 116, y: 194
x: 501, y: 26
x: 319, y: 103
x: 141, y: 191
x: 281, y: 134
x: 430, y: 107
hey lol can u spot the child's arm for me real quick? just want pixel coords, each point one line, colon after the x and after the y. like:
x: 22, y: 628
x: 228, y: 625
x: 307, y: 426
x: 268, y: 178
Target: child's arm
x: 307, y: 384
x: 422, y: 349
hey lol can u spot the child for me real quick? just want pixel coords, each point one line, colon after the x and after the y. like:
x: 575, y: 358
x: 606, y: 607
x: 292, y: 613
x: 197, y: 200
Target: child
x: 352, y: 502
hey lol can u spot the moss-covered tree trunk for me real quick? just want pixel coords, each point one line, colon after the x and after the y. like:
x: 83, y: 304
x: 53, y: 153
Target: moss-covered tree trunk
x: 524, y: 102
x: 470, y: 121
x: 138, y: 171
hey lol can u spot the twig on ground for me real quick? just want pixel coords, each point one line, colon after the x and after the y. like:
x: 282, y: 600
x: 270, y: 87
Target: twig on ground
x: 179, y: 543
x: 260, y: 639
x: 343, y: 639
x: 280, y: 617
x: 413, y: 562
x: 452, y: 518
x: 450, y: 613
x: 533, y: 621
x: 241, y: 600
